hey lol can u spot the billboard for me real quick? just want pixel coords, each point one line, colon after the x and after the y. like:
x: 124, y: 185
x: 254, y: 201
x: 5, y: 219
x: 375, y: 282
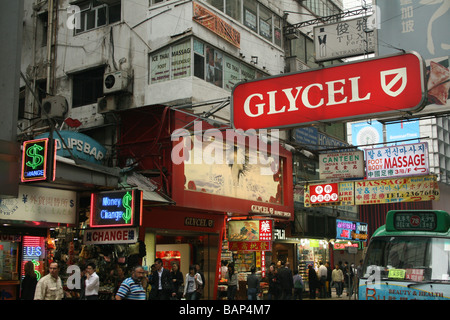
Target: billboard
x: 344, y: 92
x: 421, y: 26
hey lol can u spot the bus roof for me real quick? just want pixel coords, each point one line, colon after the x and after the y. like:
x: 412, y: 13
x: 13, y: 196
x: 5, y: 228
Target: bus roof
x: 417, y: 222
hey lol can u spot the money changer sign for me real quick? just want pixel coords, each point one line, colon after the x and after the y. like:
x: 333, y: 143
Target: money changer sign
x: 115, y: 208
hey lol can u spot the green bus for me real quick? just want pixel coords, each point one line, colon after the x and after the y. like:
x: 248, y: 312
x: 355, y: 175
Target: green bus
x: 408, y: 258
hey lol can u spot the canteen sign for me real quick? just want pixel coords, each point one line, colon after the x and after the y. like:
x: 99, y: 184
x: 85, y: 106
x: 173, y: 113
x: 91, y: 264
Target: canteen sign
x: 35, y: 161
x: 381, y: 86
x: 116, y: 208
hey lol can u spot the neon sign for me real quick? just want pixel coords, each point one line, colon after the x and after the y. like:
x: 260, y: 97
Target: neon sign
x: 350, y: 230
x: 34, y: 251
x: 35, y: 161
x: 115, y: 208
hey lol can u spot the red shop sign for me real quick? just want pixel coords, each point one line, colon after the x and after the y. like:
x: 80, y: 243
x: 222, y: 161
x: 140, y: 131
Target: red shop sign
x: 324, y: 193
x: 379, y: 86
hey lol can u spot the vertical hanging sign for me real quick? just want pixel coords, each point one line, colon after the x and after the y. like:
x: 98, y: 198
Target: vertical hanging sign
x: 38, y: 163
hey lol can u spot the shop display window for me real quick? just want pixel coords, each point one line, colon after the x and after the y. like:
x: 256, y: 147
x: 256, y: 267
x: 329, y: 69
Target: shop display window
x: 8, y: 260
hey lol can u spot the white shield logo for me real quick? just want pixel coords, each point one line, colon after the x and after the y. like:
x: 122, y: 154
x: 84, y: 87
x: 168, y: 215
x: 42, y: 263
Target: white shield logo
x: 400, y: 75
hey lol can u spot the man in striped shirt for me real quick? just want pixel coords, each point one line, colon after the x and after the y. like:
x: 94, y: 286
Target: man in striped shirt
x: 133, y: 288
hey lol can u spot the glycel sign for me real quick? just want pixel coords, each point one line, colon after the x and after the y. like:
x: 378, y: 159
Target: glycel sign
x: 380, y: 86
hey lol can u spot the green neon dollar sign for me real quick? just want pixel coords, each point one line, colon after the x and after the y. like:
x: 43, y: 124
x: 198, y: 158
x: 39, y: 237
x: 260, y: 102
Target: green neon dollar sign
x: 33, y: 152
x: 126, y: 201
x: 36, y: 264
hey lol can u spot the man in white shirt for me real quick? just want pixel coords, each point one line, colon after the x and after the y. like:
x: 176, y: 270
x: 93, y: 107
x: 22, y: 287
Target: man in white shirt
x: 92, y: 283
x: 323, y: 279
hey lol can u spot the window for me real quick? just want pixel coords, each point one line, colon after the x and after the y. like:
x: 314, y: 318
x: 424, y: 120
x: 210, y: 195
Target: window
x: 95, y: 14
x: 233, y: 9
x: 171, y: 63
x: 199, y: 59
x: 250, y: 14
x: 87, y: 87
x: 426, y: 258
x: 265, y: 23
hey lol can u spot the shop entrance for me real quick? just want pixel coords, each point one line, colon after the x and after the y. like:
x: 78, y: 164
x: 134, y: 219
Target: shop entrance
x: 185, y: 248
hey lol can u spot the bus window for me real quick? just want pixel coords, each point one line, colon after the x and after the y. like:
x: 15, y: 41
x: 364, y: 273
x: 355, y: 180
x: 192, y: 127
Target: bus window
x: 418, y: 258
x: 440, y: 254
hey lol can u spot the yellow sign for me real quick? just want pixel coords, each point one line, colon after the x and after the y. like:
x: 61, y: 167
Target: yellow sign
x: 409, y: 189
x: 397, y: 274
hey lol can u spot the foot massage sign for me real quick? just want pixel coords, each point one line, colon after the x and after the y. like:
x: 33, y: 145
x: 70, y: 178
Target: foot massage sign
x: 115, y: 208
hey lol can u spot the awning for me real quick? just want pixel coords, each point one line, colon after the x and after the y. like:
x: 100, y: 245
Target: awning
x: 150, y: 192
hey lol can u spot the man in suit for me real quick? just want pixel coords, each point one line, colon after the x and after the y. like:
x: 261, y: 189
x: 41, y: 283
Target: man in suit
x: 162, y: 284
x: 286, y: 281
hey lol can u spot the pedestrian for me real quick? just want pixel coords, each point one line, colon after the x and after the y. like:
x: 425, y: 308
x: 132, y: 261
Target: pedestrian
x: 192, y: 282
x: 118, y: 277
x: 253, y: 287
x: 203, y: 285
x: 328, y: 283
x: 359, y: 273
x: 285, y: 276
x: 274, y: 283
x: 50, y: 286
x: 92, y: 283
x: 313, y: 282
x: 298, y: 285
x: 348, y: 278
x: 223, y: 269
x: 337, y: 279
x: 162, y: 284
x: 177, y: 279
x: 133, y: 288
x: 232, y: 278
x: 29, y: 282
x: 322, y: 279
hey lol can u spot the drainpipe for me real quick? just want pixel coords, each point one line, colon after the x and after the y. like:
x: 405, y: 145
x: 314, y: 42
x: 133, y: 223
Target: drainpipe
x: 49, y: 44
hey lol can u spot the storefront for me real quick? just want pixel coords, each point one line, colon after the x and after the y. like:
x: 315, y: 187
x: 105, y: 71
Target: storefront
x: 27, y: 232
x: 44, y: 223
x: 199, y: 167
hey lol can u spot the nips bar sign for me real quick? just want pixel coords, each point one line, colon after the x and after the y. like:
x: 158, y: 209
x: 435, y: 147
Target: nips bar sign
x: 381, y: 86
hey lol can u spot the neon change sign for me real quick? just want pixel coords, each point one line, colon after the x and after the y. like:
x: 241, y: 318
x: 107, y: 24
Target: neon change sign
x: 115, y: 208
x: 35, y: 161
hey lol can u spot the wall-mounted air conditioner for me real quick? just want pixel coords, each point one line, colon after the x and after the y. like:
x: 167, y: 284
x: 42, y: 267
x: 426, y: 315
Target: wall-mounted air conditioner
x: 115, y: 82
x: 54, y: 107
x: 106, y: 104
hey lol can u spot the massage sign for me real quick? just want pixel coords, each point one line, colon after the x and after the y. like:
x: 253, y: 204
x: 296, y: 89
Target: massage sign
x: 389, y: 85
x: 116, y: 208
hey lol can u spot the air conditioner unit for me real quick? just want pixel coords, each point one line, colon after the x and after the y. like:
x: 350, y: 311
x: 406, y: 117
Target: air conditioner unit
x: 54, y: 107
x: 106, y: 104
x: 115, y: 81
